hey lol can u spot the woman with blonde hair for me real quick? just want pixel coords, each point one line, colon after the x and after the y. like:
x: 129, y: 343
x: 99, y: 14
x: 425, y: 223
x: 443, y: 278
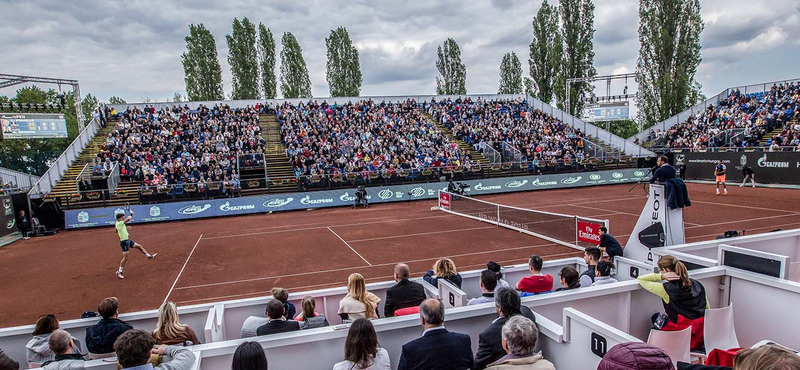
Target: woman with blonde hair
x: 444, y: 268
x: 169, y: 329
x: 358, y: 303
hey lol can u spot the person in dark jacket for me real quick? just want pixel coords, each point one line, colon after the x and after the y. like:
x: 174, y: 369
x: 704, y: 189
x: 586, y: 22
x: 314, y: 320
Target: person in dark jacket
x: 283, y: 296
x: 277, y: 323
x: 490, y: 346
x: 680, y: 294
x: 609, y: 244
x: 24, y: 225
x: 748, y: 174
x: 592, y: 256
x: 635, y: 356
x: 682, y: 170
x: 100, y: 337
x: 437, y: 348
x: 664, y: 171
x: 404, y: 294
x: 445, y: 269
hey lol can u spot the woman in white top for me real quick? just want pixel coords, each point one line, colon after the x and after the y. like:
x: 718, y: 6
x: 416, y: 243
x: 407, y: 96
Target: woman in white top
x: 358, y: 303
x: 361, y: 349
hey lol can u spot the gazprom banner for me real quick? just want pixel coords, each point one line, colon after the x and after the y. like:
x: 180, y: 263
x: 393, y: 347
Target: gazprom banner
x: 770, y: 167
x: 336, y: 198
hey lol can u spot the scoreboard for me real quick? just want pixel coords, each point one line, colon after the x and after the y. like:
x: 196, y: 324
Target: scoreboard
x: 33, y: 125
x: 606, y: 111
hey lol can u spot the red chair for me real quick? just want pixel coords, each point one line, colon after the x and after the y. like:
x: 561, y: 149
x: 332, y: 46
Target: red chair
x: 407, y: 311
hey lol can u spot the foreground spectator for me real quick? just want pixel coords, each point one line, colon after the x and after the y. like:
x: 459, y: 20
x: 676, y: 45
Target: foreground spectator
x: 249, y: 356
x: 496, y: 268
x: 133, y: 349
x: 277, y: 322
x: 309, y: 318
x: 488, y: 284
x: 445, y: 269
x: 569, y: 279
x: 358, y: 303
x: 361, y: 349
x: 405, y: 293
x: 766, y: 357
x: 519, y: 341
x: 63, y: 346
x: 100, y: 337
x: 490, y: 347
x: 38, y: 351
x: 283, y: 296
x: 603, y: 274
x: 635, y: 356
x: 592, y: 256
x: 684, y: 299
x: 169, y: 330
x: 437, y: 348
x: 537, y: 282
x: 6, y: 363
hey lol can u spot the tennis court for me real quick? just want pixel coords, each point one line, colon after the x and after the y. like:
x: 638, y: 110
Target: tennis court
x: 240, y: 257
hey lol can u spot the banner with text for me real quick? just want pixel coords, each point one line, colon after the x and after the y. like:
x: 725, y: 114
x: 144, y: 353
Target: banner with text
x: 342, y: 197
x: 769, y: 167
x: 8, y: 222
x: 589, y: 232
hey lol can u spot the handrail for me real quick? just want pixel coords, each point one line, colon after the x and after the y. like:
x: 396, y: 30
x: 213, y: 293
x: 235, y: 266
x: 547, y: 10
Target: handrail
x: 60, y: 166
x: 730, y: 149
x: 491, y: 154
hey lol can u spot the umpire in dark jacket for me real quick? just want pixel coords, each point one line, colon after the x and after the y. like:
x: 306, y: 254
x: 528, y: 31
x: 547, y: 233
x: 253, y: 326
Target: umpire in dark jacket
x: 490, y: 341
x: 664, y: 171
x: 405, y: 293
x: 100, y: 337
x: 277, y: 324
x: 437, y: 348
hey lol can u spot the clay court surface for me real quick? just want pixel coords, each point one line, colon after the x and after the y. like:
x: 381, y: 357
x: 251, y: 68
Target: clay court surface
x: 239, y: 257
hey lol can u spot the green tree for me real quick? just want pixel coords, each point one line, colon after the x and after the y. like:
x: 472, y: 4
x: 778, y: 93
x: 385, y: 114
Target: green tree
x: 4, y: 99
x: 669, y: 34
x: 510, y: 75
x: 344, y: 70
x: 295, y: 82
x: 116, y: 100
x: 31, y: 95
x: 546, y: 49
x: 577, y: 28
x: 266, y: 61
x: 452, y: 78
x: 243, y: 59
x: 202, y: 72
x: 177, y: 98
x: 88, y: 105
x: 530, y: 88
x: 621, y: 128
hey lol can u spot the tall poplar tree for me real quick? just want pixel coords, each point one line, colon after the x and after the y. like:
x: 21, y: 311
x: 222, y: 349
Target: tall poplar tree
x: 669, y: 34
x: 243, y: 59
x: 202, y: 72
x: 510, y: 75
x: 295, y: 82
x: 266, y: 62
x: 546, y: 51
x: 452, y: 78
x: 577, y: 28
x: 344, y: 70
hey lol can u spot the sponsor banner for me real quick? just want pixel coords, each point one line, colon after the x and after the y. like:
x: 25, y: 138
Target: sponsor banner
x: 444, y: 200
x: 589, y: 232
x: 8, y: 221
x: 770, y: 167
x: 340, y: 197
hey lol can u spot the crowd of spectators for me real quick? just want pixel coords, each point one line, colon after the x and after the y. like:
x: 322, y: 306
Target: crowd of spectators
x: 741, y: 120
x: 364, y: 137
x: 182, y: 146
x: 539, y: 137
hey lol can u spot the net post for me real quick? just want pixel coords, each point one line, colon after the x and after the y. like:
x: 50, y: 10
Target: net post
x: 439, y: 198
x: 576, y: 231
x: 608, y: 225
x: 498, y: 215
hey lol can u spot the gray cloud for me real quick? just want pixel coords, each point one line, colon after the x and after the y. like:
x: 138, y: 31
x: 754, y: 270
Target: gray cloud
x: 132, y: 49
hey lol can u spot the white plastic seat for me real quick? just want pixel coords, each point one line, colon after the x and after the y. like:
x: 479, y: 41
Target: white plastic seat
x: 675, y: 343
x: 718, y: 331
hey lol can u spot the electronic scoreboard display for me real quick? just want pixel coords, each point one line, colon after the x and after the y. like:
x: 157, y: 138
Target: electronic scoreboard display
x: 33, y: 125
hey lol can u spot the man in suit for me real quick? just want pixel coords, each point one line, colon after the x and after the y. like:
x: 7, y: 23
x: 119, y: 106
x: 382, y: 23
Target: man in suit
x: 490, y: 341
x: 664, y: 171
x: 277, y: 323
x: 404, y: 294
x: 437, y: 348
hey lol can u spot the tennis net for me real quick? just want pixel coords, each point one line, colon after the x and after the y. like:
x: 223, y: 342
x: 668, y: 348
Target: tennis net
x: 568, y: 230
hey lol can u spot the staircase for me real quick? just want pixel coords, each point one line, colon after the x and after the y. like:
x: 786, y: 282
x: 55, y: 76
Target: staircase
x: 777, y: 131
x: 279, y: 167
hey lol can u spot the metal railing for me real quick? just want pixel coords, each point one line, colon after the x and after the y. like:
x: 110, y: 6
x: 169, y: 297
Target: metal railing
x: 511, y: 154
x: 18, y: 180
x: 729, y: 149
x: 491, y: 154
x: 113, y: 178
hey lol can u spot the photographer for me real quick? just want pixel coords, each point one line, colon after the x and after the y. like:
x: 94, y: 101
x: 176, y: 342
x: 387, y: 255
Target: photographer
x: 457, y: 188
x: 361, y: 197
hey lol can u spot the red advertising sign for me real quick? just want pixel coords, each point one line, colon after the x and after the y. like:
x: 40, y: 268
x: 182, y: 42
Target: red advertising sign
x: 444, y: 201
x: 589, y: 232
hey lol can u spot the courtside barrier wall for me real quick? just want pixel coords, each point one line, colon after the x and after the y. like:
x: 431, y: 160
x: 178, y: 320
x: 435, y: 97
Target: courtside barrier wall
x: 8, y: 222
x: 95, y: 217
x: 769, y: 167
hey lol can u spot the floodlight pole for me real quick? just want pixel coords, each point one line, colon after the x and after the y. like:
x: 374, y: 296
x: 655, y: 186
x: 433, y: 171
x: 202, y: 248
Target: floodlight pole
x: 11, y: 80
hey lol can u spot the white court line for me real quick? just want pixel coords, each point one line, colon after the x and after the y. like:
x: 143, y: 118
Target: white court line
x: 418, y: 234
x: 629, y: 213
x: 182, y: 268
x: 348, y: 246
x: 747, y: 220
x: 740, y: 206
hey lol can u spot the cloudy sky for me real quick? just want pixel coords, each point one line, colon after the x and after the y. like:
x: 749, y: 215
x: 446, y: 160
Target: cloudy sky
x: 132, y: 48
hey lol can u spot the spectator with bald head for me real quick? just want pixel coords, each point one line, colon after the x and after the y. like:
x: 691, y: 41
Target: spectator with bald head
x: 62, y: 345
x: 405, y: 293
x: 437, y: 348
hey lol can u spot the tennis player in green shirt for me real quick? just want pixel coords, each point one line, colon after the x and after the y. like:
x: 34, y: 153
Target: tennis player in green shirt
x: 126, y: 243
